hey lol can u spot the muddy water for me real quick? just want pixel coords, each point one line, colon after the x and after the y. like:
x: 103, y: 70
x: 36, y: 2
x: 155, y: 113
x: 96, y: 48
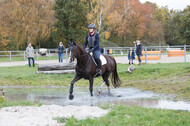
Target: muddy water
x: 125, y: 96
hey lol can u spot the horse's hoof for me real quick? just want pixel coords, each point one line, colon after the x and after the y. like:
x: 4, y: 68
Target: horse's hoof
x: 71, y: 97
x: 91, y: 95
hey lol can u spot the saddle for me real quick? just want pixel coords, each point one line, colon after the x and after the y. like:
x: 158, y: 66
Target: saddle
x: 102, y: 58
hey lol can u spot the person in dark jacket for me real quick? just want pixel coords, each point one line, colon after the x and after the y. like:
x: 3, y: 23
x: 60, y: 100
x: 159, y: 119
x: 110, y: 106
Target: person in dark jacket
x: 92, y: 40
x: 60, y: 52
x: 139, y: 51
x: 131, y: 56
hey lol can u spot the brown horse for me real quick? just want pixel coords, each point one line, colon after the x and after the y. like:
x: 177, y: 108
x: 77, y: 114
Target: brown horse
x: 86, y: 68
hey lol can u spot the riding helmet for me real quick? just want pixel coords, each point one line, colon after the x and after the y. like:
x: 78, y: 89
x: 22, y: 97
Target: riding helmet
x: 93, y: 26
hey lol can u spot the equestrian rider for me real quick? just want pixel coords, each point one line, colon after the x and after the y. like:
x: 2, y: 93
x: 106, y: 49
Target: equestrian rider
x: 92, y: 39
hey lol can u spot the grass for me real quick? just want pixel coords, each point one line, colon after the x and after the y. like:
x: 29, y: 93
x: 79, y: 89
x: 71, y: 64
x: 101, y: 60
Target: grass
x: 5, y: 103
x: 172, y: 78
x: 133, y: 116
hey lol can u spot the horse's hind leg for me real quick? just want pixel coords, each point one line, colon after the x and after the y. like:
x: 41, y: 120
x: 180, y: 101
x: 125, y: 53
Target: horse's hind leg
x: 105, y: 78
x: 71, y: 96
x: 108, y: 85
x: 91, y: 80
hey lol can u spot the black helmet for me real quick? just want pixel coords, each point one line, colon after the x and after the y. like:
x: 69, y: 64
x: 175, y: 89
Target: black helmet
x: 93, y: 26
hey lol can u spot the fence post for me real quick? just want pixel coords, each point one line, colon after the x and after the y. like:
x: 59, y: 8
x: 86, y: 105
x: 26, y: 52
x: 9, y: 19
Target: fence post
x: 185, y: 53
x: 66, y: 55
x: 49, y: 54
x: 24, y: 55
x: 146, y: 55
x: 104, y: 51
x: 10, y: 55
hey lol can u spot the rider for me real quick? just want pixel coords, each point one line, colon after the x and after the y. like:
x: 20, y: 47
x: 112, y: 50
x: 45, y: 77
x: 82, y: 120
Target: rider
x: 92, y: 39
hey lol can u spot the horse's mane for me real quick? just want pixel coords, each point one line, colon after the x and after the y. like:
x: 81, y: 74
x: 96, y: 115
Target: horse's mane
x: 80, y: 48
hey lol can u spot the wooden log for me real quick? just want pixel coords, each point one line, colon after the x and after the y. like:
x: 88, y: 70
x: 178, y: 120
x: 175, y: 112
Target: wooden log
x: 57, y: 66
x: 56, y: 72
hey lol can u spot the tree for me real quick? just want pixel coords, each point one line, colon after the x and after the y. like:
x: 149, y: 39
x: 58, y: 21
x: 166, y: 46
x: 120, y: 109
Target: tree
x: 184, y: 29
x: 134, y: 23
x: 22, y: 20
x: 71, y: 19
x: 105, y: 14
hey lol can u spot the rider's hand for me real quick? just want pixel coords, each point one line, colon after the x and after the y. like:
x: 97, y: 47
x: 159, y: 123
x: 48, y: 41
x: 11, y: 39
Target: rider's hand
x: 90, y: 50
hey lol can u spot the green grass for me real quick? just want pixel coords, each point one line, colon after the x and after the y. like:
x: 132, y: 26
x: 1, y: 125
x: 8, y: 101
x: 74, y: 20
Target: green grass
x: 133, y: 116
x: 5, y: 103
x: 172, y: 78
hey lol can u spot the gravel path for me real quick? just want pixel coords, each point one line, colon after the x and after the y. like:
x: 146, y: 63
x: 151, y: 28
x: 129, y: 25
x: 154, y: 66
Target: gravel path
x: 120, y: 59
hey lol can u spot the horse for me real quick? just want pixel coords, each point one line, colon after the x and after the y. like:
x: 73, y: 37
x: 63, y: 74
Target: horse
x: 86, y: 68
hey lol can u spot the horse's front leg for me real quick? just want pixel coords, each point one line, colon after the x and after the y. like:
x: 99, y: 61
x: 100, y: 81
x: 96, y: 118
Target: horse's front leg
x: 71, y: 96
x: 91, y: 80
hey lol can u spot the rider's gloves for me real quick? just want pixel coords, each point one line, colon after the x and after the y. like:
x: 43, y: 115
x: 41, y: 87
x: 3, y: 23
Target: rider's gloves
x: 90, y: 50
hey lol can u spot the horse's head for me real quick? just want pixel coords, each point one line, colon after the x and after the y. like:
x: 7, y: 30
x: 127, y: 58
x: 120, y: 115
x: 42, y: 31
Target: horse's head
x: 72, y: 50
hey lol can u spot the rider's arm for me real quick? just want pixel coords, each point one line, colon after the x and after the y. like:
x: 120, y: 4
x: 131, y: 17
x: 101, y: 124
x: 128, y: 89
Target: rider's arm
x: 140, y: 49
x: 97, y: 42
x: 86, y: 42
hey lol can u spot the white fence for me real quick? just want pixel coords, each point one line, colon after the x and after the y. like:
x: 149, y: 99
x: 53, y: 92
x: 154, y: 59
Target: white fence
x: 115, y: 51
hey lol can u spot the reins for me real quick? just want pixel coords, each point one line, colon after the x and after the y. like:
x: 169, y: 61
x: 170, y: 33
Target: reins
x: 78, y: 57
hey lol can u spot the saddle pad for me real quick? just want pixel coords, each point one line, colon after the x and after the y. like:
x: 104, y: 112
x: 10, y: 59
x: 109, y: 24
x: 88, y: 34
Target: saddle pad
x: 103, y: 59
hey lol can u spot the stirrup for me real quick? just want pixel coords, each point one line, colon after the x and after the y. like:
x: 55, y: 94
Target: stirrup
x: 99, y: 72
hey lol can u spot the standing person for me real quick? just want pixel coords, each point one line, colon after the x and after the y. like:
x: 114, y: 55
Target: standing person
x: 60, y: 52
x: 139, y: 51
x: 92, y: 39
x: 30, y: 54
x: 131, y: 56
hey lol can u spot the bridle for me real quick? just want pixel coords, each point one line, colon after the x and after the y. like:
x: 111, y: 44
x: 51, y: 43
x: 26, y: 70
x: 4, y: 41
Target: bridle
x: 75, y: 53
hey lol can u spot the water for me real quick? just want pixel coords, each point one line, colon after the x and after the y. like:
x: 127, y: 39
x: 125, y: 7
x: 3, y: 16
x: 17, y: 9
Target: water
x: 125, y: 96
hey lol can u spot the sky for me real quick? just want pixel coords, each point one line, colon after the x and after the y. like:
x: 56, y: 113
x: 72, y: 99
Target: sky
x: 172, y: 4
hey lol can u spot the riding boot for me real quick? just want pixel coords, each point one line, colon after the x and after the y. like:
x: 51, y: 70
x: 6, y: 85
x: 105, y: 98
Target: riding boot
x: 99, y: 68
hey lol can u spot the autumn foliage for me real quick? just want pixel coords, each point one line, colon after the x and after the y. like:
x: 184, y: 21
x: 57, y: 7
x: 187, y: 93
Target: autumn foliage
x: 25, y: 20
x: 120, y: 21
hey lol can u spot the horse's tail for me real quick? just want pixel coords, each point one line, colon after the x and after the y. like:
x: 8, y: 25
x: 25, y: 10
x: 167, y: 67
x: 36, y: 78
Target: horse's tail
x: 116, y: 82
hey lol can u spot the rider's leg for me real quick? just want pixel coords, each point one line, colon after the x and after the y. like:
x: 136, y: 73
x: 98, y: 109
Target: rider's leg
x: 96, y: 55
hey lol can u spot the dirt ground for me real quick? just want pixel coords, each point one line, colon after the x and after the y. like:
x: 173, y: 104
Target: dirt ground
x: 45, y: 114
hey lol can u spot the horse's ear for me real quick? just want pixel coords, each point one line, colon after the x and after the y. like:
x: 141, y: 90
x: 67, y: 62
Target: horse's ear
x: 68, y: 43
x: 74, y: 43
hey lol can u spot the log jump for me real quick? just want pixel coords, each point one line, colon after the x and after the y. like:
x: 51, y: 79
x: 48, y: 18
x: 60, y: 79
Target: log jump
x: 59, y: 68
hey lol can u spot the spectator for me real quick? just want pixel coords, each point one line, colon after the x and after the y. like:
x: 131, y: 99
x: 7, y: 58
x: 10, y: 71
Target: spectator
x: 30, y: 54
x: 131, y: 56
x: 139, y: 51
x: 60, y: 52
